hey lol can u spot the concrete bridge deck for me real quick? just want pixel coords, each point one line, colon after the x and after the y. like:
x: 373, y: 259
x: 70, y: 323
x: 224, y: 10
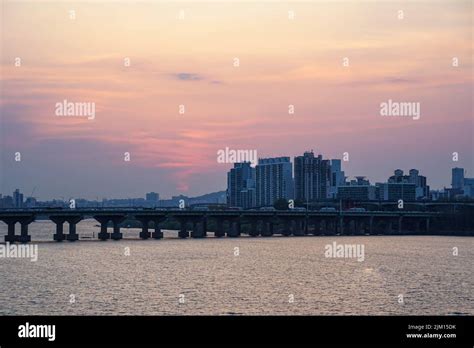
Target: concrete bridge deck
x: 194, y: 223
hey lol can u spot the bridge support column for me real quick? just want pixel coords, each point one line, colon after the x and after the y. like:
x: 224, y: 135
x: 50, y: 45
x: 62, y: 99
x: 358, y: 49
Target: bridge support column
x: 317, y: 228
x: 219, y: 228
x: 335, y: 227
x: 357, y: 227
x: 195, y: 231
x: 324, y: 227
x: 104, y: 221
x: 157, y: 233
x: 400, y: 221
x: 388, y: 227
x: 10, y: 237
x: 349, y: 227
x: 198, y: 230
x: 24, y: 237
x: 286, y: 227
x: 73, y: 236
x: 204, y: 227
x: 341, y: 225
x: 234, y: 230
x: 145, y: 221
x: 183, y: 232
x: 323, y: 224
x: 24, y: 221
x: 59, y: 221
x: 371, y: 225
x: 428, y: 225
x: 116, y: 234
x: 267, y: 229
x: 418, y: 226
x: 144, y: 233
x: 253, y: 227
x: 298, y: 229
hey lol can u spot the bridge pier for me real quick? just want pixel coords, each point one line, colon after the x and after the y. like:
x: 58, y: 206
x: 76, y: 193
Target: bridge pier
x: 340, y: 227
x: 253, y: 227
x: 388, y: 227
x: 10, y: 237
x: 267, y: 228
x: 219, y: 228
x: 199, y: 229
x: 357, y: 227
x: 157, y: 233
x: 144, y: 234
x: 145, y: 221
x: 400, y: 221
x: 116, y: 234
x: 417, y: 226
x: 10, y: 221
x: 305, y: 223
x: 204, y: 226
x: 334, y: 226
x: 73, y: 221
x: 349, y: 226
x: 298, y: 229
x: 234, y: 229
x: 24, y: 237
x: 59, y: 221
x: 195, y: 231
x: 324, y: 227
x: 103, y: 220
x: 286, y: 227
x: 317, y: 228
x: 24, y: 221
x: 183, y: 231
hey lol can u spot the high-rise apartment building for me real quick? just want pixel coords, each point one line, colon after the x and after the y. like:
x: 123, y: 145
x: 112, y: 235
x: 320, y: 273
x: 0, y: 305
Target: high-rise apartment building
x: 312, y: 177
x: 274, y: 180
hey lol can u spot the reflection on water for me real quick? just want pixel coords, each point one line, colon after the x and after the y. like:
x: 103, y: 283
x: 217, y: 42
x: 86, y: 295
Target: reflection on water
x: 262, y: 276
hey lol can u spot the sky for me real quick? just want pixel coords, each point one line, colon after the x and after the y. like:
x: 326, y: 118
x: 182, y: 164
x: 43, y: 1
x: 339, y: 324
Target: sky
x: 184, y: 53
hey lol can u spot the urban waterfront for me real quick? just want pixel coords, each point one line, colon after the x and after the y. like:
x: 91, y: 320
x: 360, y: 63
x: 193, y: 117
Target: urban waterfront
x: 279, y: 275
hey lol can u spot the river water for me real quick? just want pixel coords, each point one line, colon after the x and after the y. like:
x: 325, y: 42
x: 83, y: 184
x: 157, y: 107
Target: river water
x: 414, y: 275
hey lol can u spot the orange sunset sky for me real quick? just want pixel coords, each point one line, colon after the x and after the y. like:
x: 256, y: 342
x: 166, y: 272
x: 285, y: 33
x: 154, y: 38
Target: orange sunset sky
x: 189, y: 61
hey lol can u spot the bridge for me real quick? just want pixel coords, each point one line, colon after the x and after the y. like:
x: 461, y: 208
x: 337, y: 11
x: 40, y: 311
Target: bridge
x: 195, y: 223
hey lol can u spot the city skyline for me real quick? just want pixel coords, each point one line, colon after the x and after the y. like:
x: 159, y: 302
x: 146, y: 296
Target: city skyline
x: 35, y: 188
x: 261, y: 81
x: 341, y: 178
